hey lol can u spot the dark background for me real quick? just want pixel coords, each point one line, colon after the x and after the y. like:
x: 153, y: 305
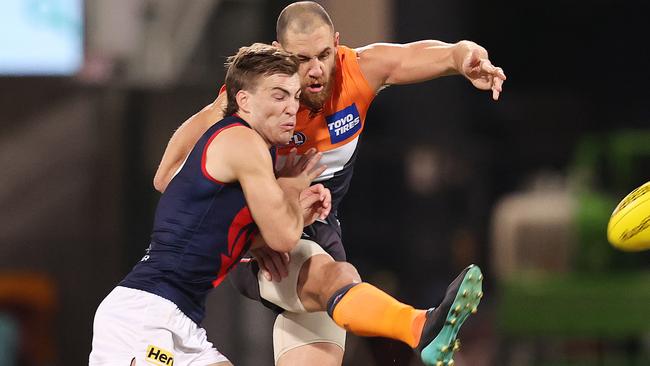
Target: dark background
x: 79, y: 154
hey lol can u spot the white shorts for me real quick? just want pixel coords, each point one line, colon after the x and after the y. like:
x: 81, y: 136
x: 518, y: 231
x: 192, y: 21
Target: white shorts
x: 137, y: 324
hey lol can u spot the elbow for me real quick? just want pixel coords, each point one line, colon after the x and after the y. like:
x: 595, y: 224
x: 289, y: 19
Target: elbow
x: 283, y: 246
x: 284, y: 241
x: 159, y: 183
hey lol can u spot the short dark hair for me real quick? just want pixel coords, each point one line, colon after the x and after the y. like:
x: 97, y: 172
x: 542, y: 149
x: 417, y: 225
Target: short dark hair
x: 304, y: 16
x: 249, y: 64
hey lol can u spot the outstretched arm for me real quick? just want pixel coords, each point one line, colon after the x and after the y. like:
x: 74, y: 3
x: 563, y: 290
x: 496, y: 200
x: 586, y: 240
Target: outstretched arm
x: 387, y: 63
x: 184, y: 139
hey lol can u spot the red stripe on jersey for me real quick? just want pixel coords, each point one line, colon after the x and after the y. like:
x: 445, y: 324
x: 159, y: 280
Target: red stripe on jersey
x: 240, y: 235
x: 205, y: 152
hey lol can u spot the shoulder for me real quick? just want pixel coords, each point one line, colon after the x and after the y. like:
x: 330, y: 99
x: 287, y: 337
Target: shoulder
x: 376, y: 52
x: 349, y: 57
x: 351, y: 69
x: 344, y: 52
x: 376, y: 62
x: 238, y: 137
x: 241, y: 145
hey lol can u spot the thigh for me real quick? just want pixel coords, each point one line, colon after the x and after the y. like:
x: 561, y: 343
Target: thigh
x: 116, y: 328
x: 322, y: 354
x: 328, y: 236
x: 285, y: 293
x: 226, y: 363
x: 244, y: 276
x: 180, y: 352
x: 190, y: 342
x: 307, y: 339
x: 133, y: 324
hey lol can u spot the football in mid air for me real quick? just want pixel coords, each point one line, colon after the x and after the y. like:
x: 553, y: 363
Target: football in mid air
x: 629, y: 225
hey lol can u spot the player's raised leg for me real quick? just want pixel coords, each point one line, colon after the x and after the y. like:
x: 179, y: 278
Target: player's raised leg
x: 365, y: 310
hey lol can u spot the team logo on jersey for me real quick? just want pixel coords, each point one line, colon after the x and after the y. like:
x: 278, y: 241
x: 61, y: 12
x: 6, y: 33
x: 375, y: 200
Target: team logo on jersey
x: 343, y: 124
x: 298, y: 139
x: 159, y: 356
x: 146, y: 254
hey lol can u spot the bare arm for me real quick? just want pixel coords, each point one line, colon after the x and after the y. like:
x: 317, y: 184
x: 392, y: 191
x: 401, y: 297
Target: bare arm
x: 316, y: 203
x: 241, y: 155
x: 184, y: 139
x: 386, y: 64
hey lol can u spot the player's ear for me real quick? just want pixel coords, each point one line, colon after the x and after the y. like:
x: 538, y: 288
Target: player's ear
x: 336, y: 39
x: 276, y: 44
x: 243, y: 100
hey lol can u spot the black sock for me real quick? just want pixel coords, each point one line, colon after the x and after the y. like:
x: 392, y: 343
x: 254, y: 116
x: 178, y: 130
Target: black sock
x: 336, y: 297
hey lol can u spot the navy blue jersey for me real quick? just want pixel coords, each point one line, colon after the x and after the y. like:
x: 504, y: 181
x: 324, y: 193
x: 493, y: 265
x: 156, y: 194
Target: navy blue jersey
x: 201, y: 229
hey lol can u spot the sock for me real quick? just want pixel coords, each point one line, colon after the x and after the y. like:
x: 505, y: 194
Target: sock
x: 367, y: 311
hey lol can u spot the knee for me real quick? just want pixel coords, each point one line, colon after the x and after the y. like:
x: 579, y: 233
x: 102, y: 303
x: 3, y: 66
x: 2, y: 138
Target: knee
x: 339, y: 274
x: 307, y: 339
x: 321, y: 271
x: 320, y: 277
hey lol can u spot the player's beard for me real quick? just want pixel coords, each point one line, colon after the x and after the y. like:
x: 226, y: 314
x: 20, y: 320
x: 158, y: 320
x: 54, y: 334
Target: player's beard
x: 315, y: 101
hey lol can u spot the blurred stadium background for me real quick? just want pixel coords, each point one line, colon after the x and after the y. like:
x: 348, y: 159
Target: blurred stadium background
x: 91, y: 91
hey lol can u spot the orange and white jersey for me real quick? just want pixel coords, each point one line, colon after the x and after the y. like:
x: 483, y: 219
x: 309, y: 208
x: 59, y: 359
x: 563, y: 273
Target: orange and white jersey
x: 335, y: 130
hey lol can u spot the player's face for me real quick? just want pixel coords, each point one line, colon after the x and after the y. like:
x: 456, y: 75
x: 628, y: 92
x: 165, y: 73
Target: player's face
x: 317, y: 54
x: 273, y: 107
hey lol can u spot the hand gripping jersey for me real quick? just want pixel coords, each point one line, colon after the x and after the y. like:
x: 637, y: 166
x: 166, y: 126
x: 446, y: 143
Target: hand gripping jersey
x: 201, y: 229
x: 335, y: 129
